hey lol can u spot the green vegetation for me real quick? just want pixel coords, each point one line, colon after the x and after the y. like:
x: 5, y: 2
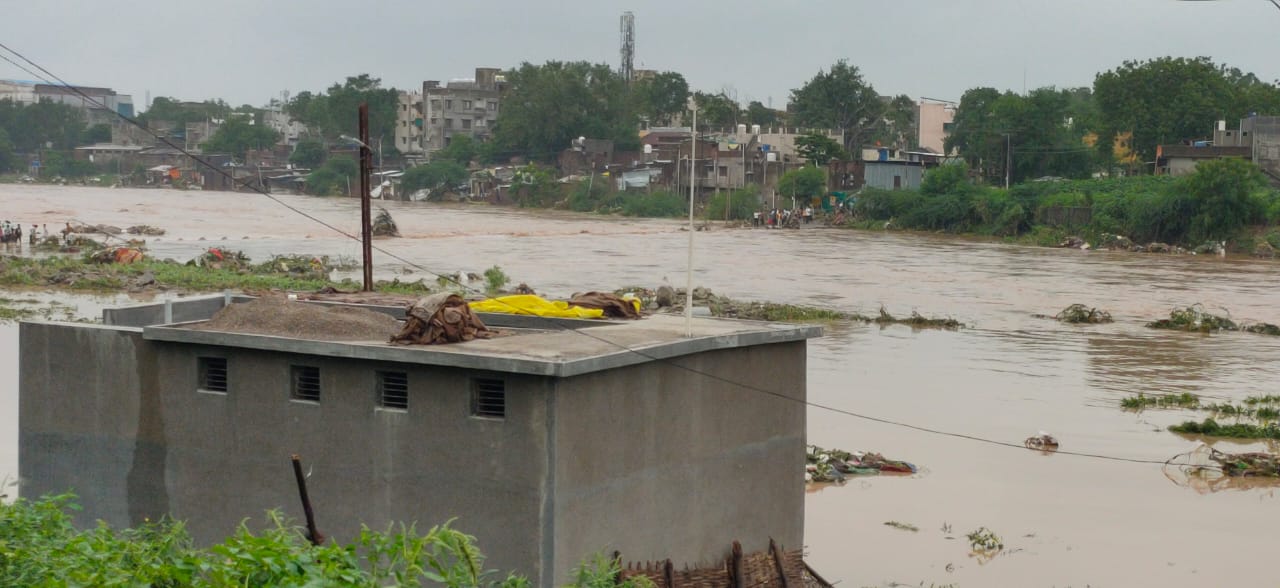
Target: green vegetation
x: 902, y: 526
x: 804, y: 184
x: 1195, y: 319
x: 1215, y: 203
x: 545, y: 107
x: 437, y: 178
x: 916, y: 320
x: 309, y: 154
x: 333, y: 113
x: 1142, y: 401
x: 660, y: 204
x: 733, y: 205
x: 335, y: 177
x: 820, y: 149
x: 238, y: 135
x: 74, y: 273
x: 840, y: 99
x: 984, y: 539
x: 495, y: 280
x: 41, y: 547
x: 1081, y: 314
x: 1211, y: 428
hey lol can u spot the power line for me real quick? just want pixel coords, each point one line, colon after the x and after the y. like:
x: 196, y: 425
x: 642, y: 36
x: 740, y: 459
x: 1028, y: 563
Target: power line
x: 550, y: 323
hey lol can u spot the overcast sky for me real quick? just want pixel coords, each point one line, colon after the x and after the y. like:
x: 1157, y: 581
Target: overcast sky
x: 248, y: 51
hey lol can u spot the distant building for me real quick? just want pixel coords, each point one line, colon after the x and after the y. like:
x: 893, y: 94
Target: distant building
x: 409, y: 124
x: 1180, y: 160
x: 1261, y: 134
x: 99, y: 105
x: 933, y: 121
x: 274, y: 117
x: 461, y: 107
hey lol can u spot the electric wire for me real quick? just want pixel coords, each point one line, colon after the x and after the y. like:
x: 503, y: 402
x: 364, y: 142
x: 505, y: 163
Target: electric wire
x: 557, y: 326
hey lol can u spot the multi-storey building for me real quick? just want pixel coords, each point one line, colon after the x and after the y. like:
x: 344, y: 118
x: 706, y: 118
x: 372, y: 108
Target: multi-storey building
x: 460, y: 107
x: 409, y: 124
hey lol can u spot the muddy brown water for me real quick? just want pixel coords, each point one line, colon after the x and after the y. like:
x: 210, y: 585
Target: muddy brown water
x: 1065, y: 521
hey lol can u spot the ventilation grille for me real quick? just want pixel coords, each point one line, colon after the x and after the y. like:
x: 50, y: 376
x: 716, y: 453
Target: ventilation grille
x: 393, y: 390
x: 489, y: 398
x: 306, y: 383
x: 213, y: 374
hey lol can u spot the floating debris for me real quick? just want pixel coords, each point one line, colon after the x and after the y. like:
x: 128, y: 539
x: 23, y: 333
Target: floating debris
x: 1142, y: 401
x: 1081, y: 314
x: 1205, y: 470
x: 917, y: 320
x: 902, y: 526
x: 835, y: 465
x: 1042, y: 441
x: 1212, y: 428
x: 147, y: 230
x: 1194, y: 318
x: 384, y: 225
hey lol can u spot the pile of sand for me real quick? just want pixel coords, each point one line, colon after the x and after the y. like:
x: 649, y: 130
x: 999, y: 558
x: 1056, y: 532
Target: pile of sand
x: 301, y: 320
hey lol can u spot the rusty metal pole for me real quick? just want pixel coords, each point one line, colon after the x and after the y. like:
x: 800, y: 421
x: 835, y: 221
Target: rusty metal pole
x: 313, y: 535
x: 366, y: 228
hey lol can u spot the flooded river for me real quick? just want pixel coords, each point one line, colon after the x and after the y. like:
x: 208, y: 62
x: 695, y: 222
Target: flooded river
x: 1065, y: 520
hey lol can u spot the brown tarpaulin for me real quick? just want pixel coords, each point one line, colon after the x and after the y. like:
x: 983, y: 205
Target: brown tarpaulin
x: 614, y: 306
x: 441, y: 318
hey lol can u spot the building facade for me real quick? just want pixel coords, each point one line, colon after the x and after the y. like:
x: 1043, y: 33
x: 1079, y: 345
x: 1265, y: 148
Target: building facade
x: 409, y: 124
x: 547, y: 445
x: 933, y: 120
x: 461, y: 107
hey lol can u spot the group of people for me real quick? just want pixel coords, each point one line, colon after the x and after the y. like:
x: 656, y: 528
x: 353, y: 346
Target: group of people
x: 780, y: 217
x: 12, y: 233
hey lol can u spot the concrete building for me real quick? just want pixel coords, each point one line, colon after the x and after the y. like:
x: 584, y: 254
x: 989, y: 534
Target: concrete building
x: 1259, y: 133
x: 274, y: 117
x: 99, y: 105
x: 546, y: 444
x: 461, y: 107
x: 1180, y: 160
x: 933, y: 121
x: 18, y: 91
x: 409, y: 124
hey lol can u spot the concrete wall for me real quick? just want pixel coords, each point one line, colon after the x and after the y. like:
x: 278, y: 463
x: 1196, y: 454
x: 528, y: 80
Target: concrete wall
x: 89, y: 421
x: 228, y: 454
x: 932, y: 118
x: 657, y: 461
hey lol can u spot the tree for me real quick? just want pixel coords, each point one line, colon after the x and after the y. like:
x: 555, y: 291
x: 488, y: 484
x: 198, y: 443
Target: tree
x: 547, y: 106
x: 661, y: 97
x: 820, y: 149
x: 238, y: 135
x: 6, y: 151
x: 309, y: 153
x: 96, y: 134
x: 180, y: 113
x: 759, y: 114
x: 1220, y: 189
x: 1168, y: 100
x: 462, y: 149
x: 897, y: 127
x: 436, y: 177
x: 336, y: 112
x: 1037, y: 132
x: 717, y: 110
x: 334, y: 177
x: 839, y: 99
x: 806, y: 182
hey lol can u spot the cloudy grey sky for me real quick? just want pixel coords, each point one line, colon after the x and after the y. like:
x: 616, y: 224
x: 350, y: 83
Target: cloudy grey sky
x: 248, y: 51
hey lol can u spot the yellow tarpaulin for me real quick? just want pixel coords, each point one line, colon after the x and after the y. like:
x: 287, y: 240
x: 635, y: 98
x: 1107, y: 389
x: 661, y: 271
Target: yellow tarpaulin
x: 536, y: 306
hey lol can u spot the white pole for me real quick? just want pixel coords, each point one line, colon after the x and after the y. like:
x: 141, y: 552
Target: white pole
x: 693, y: 162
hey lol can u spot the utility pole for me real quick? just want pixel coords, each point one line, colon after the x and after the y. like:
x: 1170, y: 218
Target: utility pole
x: 693, y: 175
x: 1008, y: 161
x: 366, y: 229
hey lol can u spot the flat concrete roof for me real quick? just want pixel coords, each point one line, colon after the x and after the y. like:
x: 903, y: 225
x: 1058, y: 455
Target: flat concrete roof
x: 549, y: 352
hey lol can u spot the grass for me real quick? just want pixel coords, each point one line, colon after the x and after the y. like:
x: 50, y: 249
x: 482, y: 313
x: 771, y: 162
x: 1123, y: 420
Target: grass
x: 1081, y: 314
x: 984, y: 539
x: 903, y: 526
x: 917, y: 320
x: 1142, y: 401
x: 77, y: 274
x: 1211, y: 428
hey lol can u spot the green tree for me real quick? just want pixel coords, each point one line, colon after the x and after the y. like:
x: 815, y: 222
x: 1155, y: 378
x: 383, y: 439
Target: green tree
x: 436, y: 177
x: 547, y: 106
x: 237, y: 135
x: 839, y: 99
x: 1167, y: 100
x: 96, y: 134
x: 661, y: 97
x: 759, y: 114
x: 897, y: 126
x: 309, y: 153
x: 717, y: 110
x: 462, y: 149
x: 334, y: 177
x: 336, y: 112
x: 1037, y: 132
x: 172, y: 110
x: 1221, y: 191
x: 804, y: 183
x: 7, y: 158
x: 820, y: 149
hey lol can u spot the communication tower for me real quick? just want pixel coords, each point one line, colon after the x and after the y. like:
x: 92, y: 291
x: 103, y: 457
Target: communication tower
x: 628, y: 46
